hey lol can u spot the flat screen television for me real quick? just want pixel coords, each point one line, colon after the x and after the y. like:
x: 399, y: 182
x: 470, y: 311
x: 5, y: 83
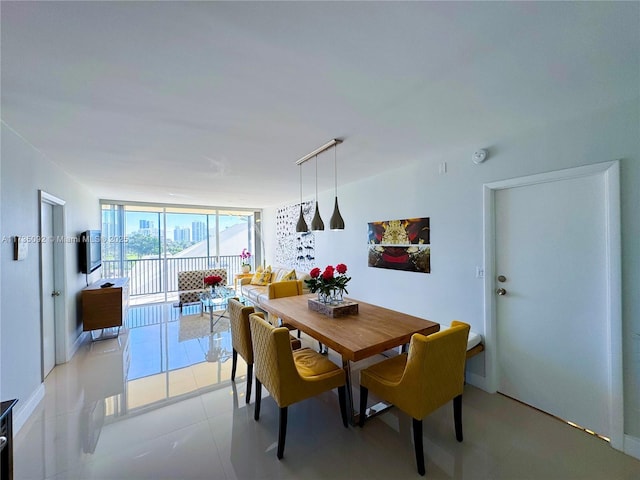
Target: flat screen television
x: 90, y: 251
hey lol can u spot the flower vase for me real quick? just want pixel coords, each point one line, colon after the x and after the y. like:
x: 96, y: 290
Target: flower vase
x: 333, y: 298
x: 338, y: 294
x: 246, y: 268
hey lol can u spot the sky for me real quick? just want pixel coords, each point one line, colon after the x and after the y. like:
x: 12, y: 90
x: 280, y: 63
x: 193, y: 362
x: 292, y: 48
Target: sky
x: 177, y: 220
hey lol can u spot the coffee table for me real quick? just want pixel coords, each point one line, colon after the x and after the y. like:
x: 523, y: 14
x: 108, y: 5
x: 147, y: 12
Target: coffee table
x: 217, y: 299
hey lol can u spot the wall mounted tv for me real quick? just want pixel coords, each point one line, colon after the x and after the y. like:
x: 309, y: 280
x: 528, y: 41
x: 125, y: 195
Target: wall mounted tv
x: 90, y: 253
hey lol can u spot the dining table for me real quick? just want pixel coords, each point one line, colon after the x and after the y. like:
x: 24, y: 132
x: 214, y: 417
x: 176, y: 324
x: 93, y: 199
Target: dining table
x: 371, y: 331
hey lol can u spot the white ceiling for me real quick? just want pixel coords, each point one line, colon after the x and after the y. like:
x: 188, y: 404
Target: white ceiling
x: 211, y: 103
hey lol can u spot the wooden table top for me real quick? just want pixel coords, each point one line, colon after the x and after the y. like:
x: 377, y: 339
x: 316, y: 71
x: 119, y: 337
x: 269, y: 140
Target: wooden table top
x: 373, y: 330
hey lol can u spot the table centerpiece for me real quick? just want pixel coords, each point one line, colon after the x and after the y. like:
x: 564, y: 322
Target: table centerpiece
x: 330, y: 285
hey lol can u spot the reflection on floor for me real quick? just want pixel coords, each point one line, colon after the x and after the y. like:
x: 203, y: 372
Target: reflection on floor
x: 158, y: 403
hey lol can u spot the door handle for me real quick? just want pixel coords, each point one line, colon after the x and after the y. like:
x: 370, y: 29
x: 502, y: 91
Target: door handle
x: 55, y: 293
x: 501, y: 292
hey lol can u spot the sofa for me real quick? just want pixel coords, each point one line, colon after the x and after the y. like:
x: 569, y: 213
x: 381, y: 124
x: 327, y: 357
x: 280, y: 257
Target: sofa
x: 256, y: 291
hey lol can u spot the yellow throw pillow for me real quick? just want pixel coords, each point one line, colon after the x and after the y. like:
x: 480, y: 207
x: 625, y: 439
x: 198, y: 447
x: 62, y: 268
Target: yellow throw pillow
x: 277, y: 274
x: 257, y: 275
x: 261, y: 277
x: 289, y: 276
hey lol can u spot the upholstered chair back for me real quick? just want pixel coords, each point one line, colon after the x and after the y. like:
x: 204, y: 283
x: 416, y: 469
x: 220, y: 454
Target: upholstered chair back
x: 191, y: 283
x: 274, y: 365
x: 434, y: 372
x: 240, y: 329
x: 288, y: 288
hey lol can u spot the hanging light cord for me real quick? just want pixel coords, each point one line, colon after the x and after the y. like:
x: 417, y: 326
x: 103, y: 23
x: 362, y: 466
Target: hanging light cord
x: 335, y: 167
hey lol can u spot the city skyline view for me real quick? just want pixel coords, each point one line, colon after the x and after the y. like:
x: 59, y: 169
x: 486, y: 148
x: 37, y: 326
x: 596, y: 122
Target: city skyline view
x: 179, y: 220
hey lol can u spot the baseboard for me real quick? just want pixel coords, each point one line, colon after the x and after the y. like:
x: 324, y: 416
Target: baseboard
x: 76, y: 345
x: 632, y: 446
x: 477, y: 381
x: 24, y: 411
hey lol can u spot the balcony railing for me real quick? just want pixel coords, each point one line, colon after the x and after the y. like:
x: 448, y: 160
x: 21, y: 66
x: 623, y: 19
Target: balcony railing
x: 147, y: 275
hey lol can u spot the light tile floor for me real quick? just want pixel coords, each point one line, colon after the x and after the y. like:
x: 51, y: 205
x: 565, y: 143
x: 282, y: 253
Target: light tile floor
x: 157, y: 403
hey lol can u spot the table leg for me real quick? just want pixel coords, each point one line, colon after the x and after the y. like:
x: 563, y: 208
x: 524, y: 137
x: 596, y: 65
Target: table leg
x: 213, y: 324
x: 353, y: 416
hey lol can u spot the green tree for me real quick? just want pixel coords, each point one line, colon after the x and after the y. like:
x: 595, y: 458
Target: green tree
x: 140, y: 244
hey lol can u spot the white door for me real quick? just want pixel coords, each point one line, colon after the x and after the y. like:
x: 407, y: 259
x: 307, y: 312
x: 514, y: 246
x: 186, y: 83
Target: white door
x: 552, y: 330
x: 48, y: 288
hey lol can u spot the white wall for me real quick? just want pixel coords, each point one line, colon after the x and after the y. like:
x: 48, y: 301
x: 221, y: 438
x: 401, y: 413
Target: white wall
x: 453, y: 201
x: 23, y: 172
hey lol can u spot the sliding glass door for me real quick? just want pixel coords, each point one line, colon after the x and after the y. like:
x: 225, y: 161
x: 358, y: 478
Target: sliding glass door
x: 150, y: 244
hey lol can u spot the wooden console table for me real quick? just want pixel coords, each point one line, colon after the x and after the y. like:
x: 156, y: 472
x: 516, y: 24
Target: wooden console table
x: 105, y: 307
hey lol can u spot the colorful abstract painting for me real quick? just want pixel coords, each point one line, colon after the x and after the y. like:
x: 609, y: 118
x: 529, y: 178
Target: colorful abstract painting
x: 400, y: 245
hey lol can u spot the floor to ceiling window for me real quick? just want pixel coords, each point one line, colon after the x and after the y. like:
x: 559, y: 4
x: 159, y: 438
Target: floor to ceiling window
x: 150, y: 244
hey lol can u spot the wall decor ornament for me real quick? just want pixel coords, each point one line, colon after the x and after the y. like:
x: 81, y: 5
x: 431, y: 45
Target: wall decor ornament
x: 294, y: 249
x: 400, y: 245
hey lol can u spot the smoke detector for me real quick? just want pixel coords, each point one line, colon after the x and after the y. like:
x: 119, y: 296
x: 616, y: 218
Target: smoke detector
x: 479, y: 156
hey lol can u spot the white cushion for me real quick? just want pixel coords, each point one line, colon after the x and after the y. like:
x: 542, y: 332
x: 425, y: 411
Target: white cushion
x: 473, y: 340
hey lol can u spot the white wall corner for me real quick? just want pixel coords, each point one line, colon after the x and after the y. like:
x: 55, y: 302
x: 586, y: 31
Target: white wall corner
x: 477, y: 381
x: 632, y: 446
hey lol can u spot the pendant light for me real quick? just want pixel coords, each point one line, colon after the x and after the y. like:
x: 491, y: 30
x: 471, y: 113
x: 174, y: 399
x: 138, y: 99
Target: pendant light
x: 317, y: 224
x: 301, y: 226
x: 336, y: 222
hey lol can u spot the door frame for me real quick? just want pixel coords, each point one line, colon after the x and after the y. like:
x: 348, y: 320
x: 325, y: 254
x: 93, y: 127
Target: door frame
x: 59, y: 277
x: 611, y: 175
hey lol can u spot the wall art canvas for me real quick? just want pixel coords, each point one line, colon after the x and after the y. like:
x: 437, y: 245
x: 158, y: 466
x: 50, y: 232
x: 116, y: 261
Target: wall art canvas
x: 400, y: 245
x: 293, y: 249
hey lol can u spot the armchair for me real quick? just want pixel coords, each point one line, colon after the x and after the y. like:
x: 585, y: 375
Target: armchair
x: 287, y: 288
x: 422, y: 380
x: 191, y: 284
x: 241, y: 340
x: 290, y: 376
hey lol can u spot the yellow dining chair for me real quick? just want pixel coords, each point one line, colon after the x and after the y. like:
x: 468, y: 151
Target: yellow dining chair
x: 290, y: 376
x: 422, y: 380
x: 241, y: 340
x: 288, y: 288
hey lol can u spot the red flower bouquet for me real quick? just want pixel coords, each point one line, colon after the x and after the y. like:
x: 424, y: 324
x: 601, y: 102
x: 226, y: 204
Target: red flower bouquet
x: 327, y: 282
x: 212, y: 280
